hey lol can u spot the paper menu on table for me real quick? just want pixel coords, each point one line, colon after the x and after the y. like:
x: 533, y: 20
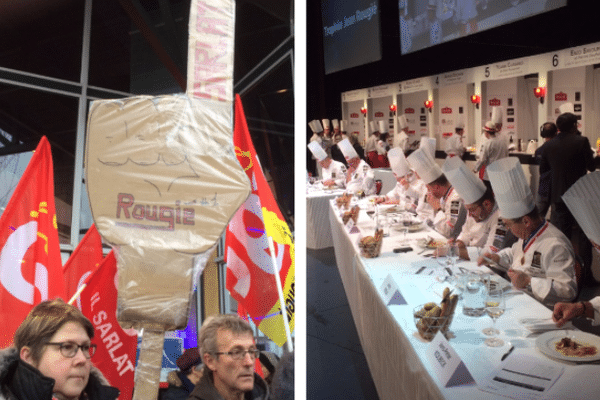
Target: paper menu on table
x: 521, y: 376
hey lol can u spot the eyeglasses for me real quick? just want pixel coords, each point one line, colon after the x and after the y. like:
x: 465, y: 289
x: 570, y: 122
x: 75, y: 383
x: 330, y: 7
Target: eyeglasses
x: 239, y: 353
x: 69, y: 349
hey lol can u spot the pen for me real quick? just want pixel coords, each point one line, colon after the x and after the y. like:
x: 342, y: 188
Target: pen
x: 507, y: 353
x: 420, y: 270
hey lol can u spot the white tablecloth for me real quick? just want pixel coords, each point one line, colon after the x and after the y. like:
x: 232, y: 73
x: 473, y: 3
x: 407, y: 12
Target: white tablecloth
x: 318, y: 229
x: 397, y: 356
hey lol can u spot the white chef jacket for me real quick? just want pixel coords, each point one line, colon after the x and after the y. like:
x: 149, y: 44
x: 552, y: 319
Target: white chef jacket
x: 482, y: 235
x: 550, y: 261
x: 401, y: 141
x: 493, y: 149
x: 416, y: 198
x: 446, y: 219
x: 337, y: 172
x: 362, y: 179
x: 397, y: 194
x: 380, y: 147
x: 454, y: 145
x: 370, y: 144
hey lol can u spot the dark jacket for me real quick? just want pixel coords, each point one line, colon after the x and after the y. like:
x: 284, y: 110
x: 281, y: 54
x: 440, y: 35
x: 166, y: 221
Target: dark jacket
x: 21, y: 381
x: 569, y: 156
x: 205, y: 390
x: 179, y: 388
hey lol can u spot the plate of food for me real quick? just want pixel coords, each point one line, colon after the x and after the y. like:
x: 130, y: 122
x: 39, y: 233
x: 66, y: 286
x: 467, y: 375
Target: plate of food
x: 569, y: 345
x: 431, y: 243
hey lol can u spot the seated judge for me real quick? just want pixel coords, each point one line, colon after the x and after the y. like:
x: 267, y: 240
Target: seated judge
x: 333, y: 173
x: 542, y: 261
x: 448, y: 212
x: 483, y: 228
x: 584, y: 204
x: 359, y: 176
x: 400, y: 168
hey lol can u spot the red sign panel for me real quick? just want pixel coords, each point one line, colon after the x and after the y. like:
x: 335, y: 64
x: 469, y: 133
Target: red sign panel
x: 354, y: 115
x: 494, y: 102
x: 560, y: 96
x: 409, y: 111
x: 379, y: 114
x: 447, y: 134
x: 446, y: 110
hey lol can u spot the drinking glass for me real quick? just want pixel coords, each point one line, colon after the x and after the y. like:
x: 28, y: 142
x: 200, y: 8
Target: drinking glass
x: 371, y: 209
x: 495, y: 306
x: 405, y: 221
x: 442, y: 255
x: 453, y: 253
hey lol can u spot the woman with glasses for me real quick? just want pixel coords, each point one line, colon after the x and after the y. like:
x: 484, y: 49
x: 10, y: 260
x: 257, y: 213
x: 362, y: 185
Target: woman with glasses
x: 51, y: 358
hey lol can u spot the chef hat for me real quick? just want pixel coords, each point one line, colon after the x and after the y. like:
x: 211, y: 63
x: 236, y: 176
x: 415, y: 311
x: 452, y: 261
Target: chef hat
x: 335, y: 123
x: 490, y: 127
x: 315, y: 126
x: 468, y: 186
x: 426, y: 167
x: 428, y: 144
x: 343, y: 124
x: 460, y: 125
x: 497, y: 115
x: 402, y: 121
x: 373, y: 126
x: 325, y: 123
x: 511, y: 188
x: 347, y: 149
x: 583, y: 198
x: 398, y: 162
x: 566, y: 108
x: 382, y: 127
x: 317, y: 151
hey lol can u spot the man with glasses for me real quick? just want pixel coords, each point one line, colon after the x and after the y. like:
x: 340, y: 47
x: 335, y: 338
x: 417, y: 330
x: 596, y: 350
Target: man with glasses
x: 483, y: 229
x: 229, y: 353
x: 51, y: 357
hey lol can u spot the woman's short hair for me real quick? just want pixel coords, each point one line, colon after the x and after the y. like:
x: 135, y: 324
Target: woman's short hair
x: 43, y: 321
x: 207, y: 337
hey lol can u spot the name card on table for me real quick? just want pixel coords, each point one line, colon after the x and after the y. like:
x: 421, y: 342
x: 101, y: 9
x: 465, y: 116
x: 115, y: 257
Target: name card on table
x: 391, y: 292
x: 448, y: 366
x: 350, y: 227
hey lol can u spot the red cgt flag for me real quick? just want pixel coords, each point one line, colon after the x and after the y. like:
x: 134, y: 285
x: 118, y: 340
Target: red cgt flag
x: 84, y: 260
x: 115, y: 354
x: 250, y: 278
x: 30, y: 264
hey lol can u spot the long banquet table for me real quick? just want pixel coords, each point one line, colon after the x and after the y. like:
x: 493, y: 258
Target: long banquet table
x: 397, y: 356
x: 318, y: 229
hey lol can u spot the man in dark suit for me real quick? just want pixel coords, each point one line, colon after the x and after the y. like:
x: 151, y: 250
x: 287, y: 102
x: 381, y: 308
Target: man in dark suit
x: 569, y: 156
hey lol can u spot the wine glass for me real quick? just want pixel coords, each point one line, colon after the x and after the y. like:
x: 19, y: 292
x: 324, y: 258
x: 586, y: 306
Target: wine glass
x: 370, y: 209
x: 495, y: 306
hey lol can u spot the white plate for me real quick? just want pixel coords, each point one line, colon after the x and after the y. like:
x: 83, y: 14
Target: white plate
x: 546, y: 343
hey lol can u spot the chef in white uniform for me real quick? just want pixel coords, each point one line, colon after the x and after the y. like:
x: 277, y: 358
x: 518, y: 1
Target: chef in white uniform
x: 371, y: 144
x: 583, y: 200
x: 402, y: 140
x: 400, y: 168
x: 359, y: 176
x: 333, y: 172
x: 454, y: 143
x: 494, y: 148
x: 482, y: 229
x: 449, y: 213
x: 542, y: 261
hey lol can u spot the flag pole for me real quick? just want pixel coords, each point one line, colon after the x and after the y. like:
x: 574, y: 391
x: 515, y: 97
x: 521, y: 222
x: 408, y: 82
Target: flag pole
x: 85, y: 283
x: 280, y: 292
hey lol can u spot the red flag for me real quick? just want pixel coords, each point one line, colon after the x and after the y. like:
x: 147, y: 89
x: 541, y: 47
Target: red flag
x: 115, y: 355
x: 85, y: 259
x: 30, y: 264
x: 250, y: 278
